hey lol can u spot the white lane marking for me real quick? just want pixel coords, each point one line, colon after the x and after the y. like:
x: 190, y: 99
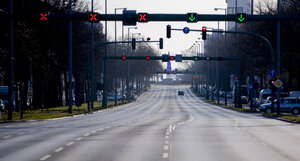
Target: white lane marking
x: 59, y: 149
x: 100, y: 129
x: 165, y: 155
x: 45, y: 157
x: 33, y: 131
x: 87, y: 134
x: 167, y: 133
x: 79, y: 138
x: 167, y: 137
x: 93, y: 132
x: 166, y: 147
x: 236, y: 124
x: 8, y: 136
x: 166, y: 142
x: 70, y: 143
x: 21, y: 133
x: 9, y: 126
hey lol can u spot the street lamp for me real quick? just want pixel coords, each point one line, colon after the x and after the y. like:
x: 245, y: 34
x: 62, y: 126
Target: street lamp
x: 225, y: 51
x: 116, y: 91
x: 127, y: 83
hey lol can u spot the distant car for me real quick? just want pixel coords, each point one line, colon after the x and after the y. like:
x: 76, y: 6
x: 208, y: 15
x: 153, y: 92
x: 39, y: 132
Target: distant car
x: 112, y: 97
x: 180, y: 93
x: 287, y: 104
x: 2, y: 106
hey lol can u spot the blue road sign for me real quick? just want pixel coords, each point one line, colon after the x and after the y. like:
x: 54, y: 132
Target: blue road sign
x: 250, y: 86
x: 186, y: 30
x: 273, y: 73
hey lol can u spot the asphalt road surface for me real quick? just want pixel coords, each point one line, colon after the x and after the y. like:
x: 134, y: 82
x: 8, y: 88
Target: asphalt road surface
x: 160, y: 125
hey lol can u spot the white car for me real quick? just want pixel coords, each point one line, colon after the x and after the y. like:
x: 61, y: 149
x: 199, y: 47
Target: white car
x: 2, y: 106
x: 287, y: 104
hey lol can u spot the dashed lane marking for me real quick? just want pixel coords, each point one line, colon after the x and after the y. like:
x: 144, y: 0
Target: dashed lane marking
x: 166, y: 147
x: 79, y: 138
x: 87, y: 134
x: 167, y: 137
x: 70, y: 143
x: 166, y: 142
x: 59, y: 149
x: 165, y: 155
x: 45, y: 157
x: 21, y: 133
x: 8, y: 136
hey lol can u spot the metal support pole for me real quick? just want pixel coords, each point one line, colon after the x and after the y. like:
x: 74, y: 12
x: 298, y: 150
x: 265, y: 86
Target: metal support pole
x: 70, y: 60
x: 123, y: 64
x: 217, y: 67
x: 251, y: 63
x: 116, y: 90
x: 10, y: 59
x: 92, y: 91
x: 278, y: 56
x: 104, y: 100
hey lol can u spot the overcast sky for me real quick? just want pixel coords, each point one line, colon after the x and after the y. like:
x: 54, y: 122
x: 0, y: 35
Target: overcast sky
x: 156, y: 30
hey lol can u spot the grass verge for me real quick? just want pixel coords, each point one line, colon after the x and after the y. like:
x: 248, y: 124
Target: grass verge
x: 56, y: 112
x: 287, y: 117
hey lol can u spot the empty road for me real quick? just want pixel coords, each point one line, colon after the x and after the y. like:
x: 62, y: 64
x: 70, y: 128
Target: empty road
x: 160, y: 125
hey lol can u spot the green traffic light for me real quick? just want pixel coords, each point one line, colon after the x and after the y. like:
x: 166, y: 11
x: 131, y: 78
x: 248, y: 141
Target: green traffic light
x: 196, y: 58
x: 241, y: 17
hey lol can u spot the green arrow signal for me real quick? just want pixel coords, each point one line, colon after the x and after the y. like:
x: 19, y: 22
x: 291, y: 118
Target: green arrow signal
x: 195, y: 58
x: 241, y: 18
x: 192, y: 18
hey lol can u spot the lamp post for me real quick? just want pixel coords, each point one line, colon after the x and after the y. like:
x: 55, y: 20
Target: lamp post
x: 116, y: 90
x: 218, y: 83
x: 132, y: 36
x: 127, y: 83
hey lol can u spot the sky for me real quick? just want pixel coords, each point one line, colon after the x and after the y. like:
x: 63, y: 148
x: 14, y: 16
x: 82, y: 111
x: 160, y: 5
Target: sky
x: 155, y: 30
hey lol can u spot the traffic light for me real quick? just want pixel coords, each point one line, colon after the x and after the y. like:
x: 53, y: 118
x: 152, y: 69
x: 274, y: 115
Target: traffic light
x: 44, y: 16
x: 168, y: 31
x: 241, y: 17
x: 271, y: 82
x: 196, y: 58
x: 133, y: 43
x: 161, y: 43
x: 148, y: 58
x: 203, y: 33
x: 172, y: 58
x: 165, y: 58
x: 93, y: 17
x: 143, y: 17
x: 191, y: 17
x: 123, y: 57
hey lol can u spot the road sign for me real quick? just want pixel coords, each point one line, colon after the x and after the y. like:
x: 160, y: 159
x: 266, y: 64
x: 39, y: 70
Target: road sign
x: 250, y: 86
x: 196, y: 76
x: 278, y: 83
x: 191, y: 17
x: 272, y: 73
x: 93, y: 17
x: 241, y: 17
x: 178, y: 58
x: 186, y: 30
x: 143, y: 17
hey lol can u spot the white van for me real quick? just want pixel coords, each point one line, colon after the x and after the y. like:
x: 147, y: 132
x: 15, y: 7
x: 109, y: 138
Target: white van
x: 263, y: 95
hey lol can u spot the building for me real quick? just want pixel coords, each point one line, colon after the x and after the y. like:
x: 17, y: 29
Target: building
x: 243, y: 6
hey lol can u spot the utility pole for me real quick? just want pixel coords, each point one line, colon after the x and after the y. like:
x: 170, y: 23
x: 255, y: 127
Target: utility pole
x: 278, y: 56
x: 70, y: 61
x: 128, y: 81
x: 10, y: 73
x: 104, y: 100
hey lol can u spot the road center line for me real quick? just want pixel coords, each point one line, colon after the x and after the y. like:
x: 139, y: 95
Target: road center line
x: 21, y: 133
x: 70, y: 143
x: 8, y: 136
x: 45, y: 157
x: 165, y: 155
x: 59, y: 149
x: 87, y: 134
x: 79, y: 138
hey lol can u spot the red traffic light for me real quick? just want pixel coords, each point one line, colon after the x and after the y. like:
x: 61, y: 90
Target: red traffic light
x: 172, y: 58
x: 143, y: 17
x: 203, y: 28
x: 93, y: 17
x: 203, y: 33
x: 170, y: 72
x: 44, y: 16
x: 148, y: 58
x: 123, y: 57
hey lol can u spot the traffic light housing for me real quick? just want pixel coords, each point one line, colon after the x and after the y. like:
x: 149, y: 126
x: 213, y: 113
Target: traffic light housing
x: 142, y: 17
x: 165, y: 58
x: 203, y: 33
x: 129, y: 17
x: 133, y: 44
x: 168, y: 31
x: 93, y: 17
x: 161, y: 43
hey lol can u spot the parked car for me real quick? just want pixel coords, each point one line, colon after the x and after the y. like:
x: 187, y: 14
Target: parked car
x: 244, y: 100
x: 287, y: 104
x: 180, y: 93
x: 263, y: 95
x: 2, y: 106
x: 229, y: 95
x: 294, y: 94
